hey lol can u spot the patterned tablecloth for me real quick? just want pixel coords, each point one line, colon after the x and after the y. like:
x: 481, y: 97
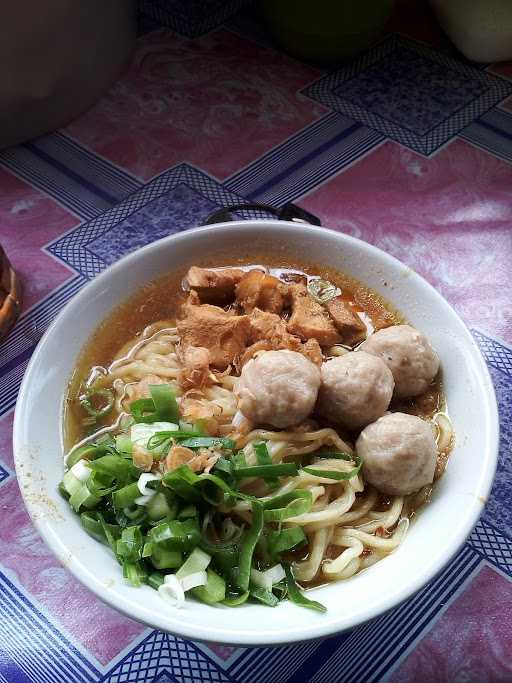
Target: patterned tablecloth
x: 409, y: 147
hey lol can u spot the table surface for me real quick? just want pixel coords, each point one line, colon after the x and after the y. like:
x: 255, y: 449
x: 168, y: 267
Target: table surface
x: 409, y: 147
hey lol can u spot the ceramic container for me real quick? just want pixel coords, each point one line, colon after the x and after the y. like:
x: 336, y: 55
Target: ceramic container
x: 434, y: 536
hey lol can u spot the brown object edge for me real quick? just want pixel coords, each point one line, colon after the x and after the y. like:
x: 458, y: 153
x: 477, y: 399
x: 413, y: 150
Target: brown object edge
x: 10, y: 306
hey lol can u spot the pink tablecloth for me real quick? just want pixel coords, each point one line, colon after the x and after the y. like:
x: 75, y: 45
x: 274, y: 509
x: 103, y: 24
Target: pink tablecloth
x: 408, y: 147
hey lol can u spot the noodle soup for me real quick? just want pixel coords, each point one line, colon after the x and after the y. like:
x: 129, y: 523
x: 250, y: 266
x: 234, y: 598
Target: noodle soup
x: 242, y: 431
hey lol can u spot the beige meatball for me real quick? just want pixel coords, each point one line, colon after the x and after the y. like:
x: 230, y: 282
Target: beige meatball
x: 278, y: 388
x: 356, y: 389
x: 399, y: 453
x: 408, y: 355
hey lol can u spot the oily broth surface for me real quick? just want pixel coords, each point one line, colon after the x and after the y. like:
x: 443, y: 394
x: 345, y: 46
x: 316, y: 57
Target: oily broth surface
x: 160, y: 299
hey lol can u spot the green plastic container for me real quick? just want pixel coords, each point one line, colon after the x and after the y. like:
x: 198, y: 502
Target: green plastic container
x: 326, y: 31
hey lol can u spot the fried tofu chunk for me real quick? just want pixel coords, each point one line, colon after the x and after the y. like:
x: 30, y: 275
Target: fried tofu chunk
x: 224, y: 335
x: 214, y: 286
x: 351, y: 328
x: 258, y: 289
x: 269, y: 333
x: 309, y: 319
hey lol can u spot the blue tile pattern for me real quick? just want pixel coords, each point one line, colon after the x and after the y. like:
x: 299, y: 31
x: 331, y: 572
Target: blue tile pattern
x: 185, y: 195
x: 411, y: 93
x: 32, y: 649
x: 177, y: 210
x: 495, y: 547
x: 305, y: 160
x: 410, y: 90
x: 191, y: 18
x: 492, y: 132
x: 80, y: 181
x: 165, y: 658
x: 498, y: 511
x: 4, y: 475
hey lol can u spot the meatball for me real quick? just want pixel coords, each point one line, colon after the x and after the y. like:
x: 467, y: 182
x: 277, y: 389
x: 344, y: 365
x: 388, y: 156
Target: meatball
x: 356, y: 389
x: 408, y: 355
x: 399, y: 453
x: 278, y: 388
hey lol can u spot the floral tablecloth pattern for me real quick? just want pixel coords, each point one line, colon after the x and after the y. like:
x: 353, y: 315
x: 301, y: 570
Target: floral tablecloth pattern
x: 409, y: 147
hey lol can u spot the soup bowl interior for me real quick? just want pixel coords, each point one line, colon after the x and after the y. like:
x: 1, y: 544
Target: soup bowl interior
x: 434, y: 536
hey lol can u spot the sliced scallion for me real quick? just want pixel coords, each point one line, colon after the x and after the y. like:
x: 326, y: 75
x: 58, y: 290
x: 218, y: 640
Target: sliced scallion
x: 280, y: 470
x: 214, y: 591
x: 248, y: 544
x: 287, y: 505
x: 285, y: 539
x: 208, y: 442
x: 103, y: 396
x: 295, y: 595
x: 262, y: 595
x: 164, y: 400
x: 336, y: 474
x: 322, y: 291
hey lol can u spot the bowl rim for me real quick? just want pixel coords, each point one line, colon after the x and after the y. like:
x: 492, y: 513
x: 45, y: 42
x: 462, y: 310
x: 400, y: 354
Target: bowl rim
x: 317, y: 629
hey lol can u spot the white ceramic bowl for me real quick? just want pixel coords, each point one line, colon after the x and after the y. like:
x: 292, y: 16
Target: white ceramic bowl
x: 434, y: 536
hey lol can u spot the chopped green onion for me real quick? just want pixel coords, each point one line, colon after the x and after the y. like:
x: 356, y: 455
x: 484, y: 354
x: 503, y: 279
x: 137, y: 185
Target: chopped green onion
x: 238, y: 460
x: 263, y: 458
x: 124, y: 443
x: 264, y: 596
x: 291, y: 504
x: 155, y: 580
x: 280, y: 470
x: 336, y: 474
x: 166, y: 559
x: 162, y: 439
x: 134, y: 573
x: 215, y: 490
x: 224, y: 466
x: 181, y: 481
x: 285, y: 539
x: 94, y: 394
x: 164, y: 400
x: 143, y: 410
x: 87, y: 452
x: 100, y: 484
x: 187, y: 511
x: 262, y: 454
x: 161, y: 407
x: 197, y: 561
x: 63, y: 492
x: 323, y: 291
x: 335, y: 455
x: 92, y: 525
x: 158, y: 508
x: 79, y: 494
x: 176, y: 535
x: 235, y: 599
x: 225, y: 560
x: 129, y: 546
x: 126, y: 496
x: 106, y: 440
x: 112, y: 532
x: 135, y: 514
x: 121, y: 469
x: 296, y: 596
x: 214, y: 591
x: 260, y: 579
x: 208, y: 442
x: 249, y: 541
